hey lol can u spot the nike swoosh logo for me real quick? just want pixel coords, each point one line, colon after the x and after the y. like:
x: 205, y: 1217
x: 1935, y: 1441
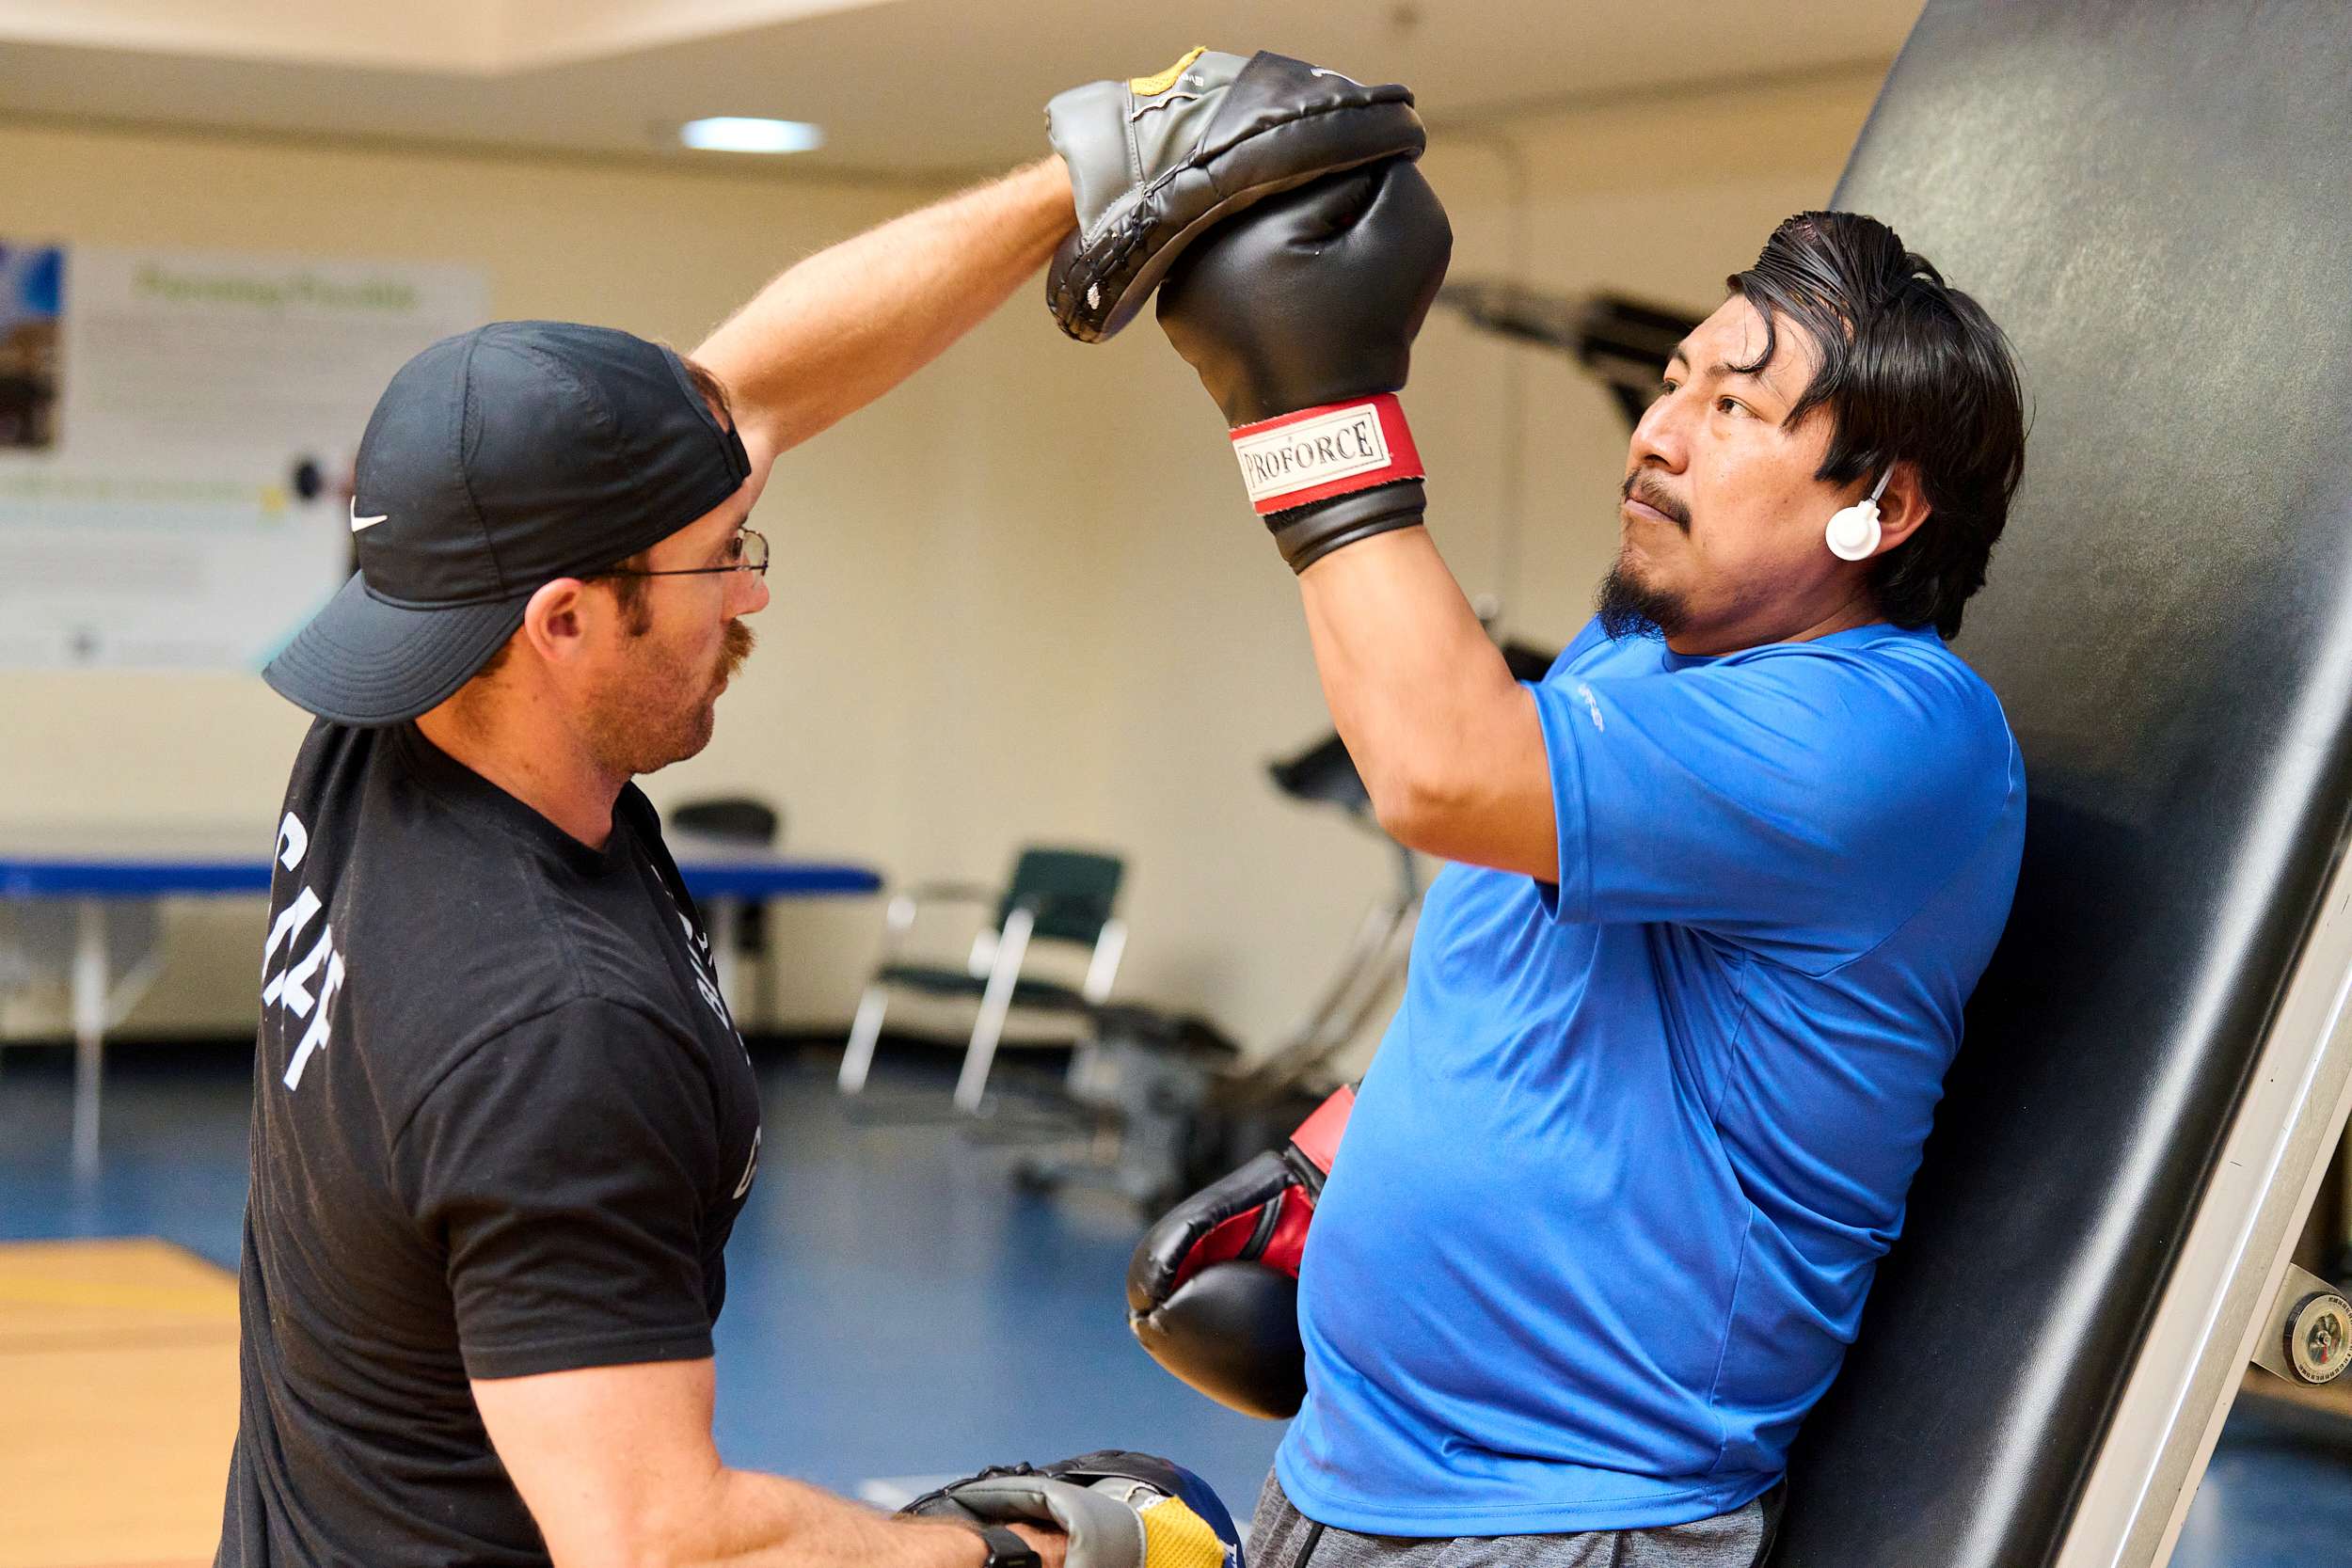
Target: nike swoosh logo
x: 1318, y: 70
x: 359, y: 522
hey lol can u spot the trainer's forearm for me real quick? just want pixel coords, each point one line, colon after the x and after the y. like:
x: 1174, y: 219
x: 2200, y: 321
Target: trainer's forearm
x: 834, y: 332
x: 750, y: 1520
x: 1447, y: 741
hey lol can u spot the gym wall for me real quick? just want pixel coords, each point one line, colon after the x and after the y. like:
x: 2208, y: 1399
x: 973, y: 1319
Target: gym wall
x: 1019, y: 599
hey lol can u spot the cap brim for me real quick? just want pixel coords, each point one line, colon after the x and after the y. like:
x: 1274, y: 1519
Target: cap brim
x: 363, y: 661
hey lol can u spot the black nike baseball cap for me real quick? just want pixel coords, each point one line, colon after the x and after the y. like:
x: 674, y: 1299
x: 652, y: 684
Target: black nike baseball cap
x: 496, y: 462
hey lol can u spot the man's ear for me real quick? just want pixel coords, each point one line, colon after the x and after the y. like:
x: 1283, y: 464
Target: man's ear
x: 1902, y: 507
x: 555, y: 620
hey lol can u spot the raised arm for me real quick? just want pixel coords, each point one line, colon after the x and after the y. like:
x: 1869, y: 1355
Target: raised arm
x: 1300, y: 319
x: 1448, y: 743
x: 1147, y: 162
x: 833, y: 332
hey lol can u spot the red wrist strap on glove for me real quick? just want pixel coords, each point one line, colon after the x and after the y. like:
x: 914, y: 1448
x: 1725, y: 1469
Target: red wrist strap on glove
x: 1316, y: 453
x: 1318, y: 1136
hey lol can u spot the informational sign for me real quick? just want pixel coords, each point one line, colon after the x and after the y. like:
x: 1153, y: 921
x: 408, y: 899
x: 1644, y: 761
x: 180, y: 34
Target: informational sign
x: 177, y: 433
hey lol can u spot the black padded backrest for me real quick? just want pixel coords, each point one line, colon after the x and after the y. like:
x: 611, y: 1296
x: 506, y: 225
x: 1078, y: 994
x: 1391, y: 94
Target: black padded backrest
x: 2151, y: 196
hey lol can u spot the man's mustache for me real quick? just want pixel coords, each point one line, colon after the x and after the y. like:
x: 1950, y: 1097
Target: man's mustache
x: 1640, y: 486
x: 735, y: 647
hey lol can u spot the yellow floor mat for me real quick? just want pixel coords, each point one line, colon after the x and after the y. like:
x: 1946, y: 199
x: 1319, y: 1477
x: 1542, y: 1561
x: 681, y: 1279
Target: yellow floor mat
x: 118, y: 1403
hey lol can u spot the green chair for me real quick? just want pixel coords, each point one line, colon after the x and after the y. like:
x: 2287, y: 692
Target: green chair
x: 1062, y: 896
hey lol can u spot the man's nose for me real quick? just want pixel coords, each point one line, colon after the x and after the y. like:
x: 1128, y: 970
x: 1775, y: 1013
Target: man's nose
x: 1660, y: 436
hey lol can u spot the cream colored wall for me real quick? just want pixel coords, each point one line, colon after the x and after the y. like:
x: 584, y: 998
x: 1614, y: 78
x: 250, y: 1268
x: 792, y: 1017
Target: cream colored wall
x: 1019, y: 599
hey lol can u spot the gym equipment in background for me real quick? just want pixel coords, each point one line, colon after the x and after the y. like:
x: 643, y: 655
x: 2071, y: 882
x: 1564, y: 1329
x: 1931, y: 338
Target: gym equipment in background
x: 1169, y: 1103
x: 1060, y: 896
x: 1163, y: 1094
x: 1624, y: 342
x: 1323, y: 773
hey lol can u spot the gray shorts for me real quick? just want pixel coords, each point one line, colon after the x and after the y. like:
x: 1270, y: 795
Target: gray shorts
x: 1281, y: 1537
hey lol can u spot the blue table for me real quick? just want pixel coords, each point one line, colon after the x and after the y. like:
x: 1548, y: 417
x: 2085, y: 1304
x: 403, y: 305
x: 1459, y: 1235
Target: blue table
x: 110, y: 882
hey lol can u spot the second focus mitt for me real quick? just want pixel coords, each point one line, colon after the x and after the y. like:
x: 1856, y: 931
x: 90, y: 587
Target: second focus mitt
x: 1120, y: 1509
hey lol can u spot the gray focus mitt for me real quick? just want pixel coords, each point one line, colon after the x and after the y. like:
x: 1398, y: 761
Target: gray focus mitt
x: 1157, y: 160
x: 1120, y: 1509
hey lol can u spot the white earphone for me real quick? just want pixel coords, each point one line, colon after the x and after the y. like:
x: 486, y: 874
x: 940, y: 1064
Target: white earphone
x: 1854, y: 532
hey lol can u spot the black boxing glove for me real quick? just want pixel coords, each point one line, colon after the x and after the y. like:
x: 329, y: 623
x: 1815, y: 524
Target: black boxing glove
x: 1299, y: 316
x: 1213, y: 1289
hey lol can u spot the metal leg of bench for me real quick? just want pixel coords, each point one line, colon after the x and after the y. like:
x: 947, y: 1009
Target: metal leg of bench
x: 89, y: 1028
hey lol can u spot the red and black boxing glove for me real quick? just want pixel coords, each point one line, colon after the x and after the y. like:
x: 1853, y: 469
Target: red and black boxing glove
x: 1213, y: 1289
x: 1300, y: 315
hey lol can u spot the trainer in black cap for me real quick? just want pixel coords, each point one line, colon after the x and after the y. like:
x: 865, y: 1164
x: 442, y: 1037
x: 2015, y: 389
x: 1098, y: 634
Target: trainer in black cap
x: 496, y: 462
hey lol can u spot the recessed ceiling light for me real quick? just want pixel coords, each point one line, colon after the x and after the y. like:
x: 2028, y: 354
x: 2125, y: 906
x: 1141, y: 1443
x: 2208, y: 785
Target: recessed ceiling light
x: 733, y: 134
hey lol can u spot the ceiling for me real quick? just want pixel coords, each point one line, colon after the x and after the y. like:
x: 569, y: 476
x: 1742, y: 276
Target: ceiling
x: 908, y: 89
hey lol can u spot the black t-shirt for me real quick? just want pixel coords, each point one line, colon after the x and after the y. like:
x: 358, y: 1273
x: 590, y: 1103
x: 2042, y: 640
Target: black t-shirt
x: 501, y: 1125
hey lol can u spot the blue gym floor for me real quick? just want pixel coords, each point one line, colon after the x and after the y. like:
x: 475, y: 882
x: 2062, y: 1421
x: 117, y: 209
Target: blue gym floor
x: 898, y: 1308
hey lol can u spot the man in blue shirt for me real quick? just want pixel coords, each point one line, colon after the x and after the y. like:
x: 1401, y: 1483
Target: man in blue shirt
x: 1678, y: 1017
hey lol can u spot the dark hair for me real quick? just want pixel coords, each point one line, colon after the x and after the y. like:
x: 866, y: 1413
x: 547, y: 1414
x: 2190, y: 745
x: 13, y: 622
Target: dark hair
x: 1911, y: 371
x: 629, y: 593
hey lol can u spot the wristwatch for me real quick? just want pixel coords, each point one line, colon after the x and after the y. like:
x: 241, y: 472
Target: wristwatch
x: 1007, y: 1551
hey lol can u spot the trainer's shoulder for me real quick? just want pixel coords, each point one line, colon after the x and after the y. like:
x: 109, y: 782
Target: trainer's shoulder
x: 458, y: 930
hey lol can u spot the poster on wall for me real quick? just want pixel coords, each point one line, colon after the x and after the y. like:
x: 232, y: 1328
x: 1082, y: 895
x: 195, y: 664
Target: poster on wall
x: 177, y: 431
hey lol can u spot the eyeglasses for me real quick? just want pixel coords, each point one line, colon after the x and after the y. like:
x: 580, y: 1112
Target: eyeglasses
x: 747, y: 552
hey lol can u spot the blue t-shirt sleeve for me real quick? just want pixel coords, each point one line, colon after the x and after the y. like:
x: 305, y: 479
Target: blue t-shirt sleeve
x: 1802, y: 803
